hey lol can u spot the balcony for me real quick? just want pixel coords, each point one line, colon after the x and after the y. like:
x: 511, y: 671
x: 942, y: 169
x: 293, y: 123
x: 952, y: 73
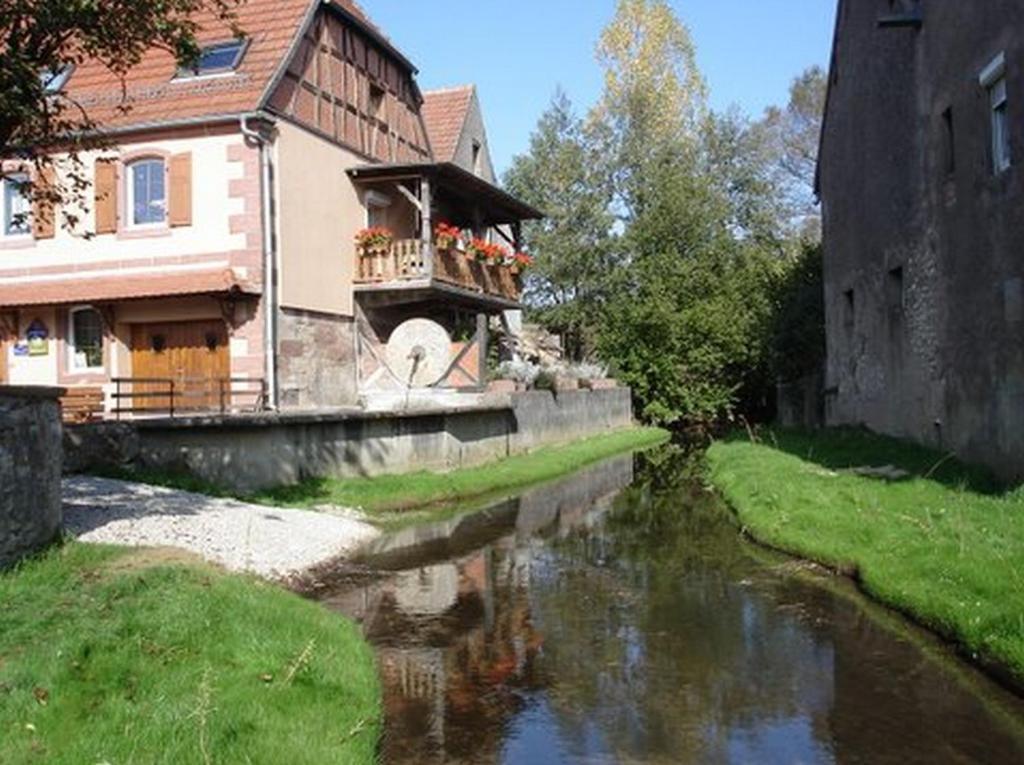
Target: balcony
x: 408, y: 201
x: 409, y: 265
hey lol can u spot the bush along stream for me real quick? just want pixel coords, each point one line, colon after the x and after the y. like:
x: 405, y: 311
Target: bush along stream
x: 619, y: 615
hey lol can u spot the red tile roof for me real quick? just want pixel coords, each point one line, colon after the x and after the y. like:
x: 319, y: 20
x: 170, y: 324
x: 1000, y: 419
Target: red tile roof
x: 444, y: 112
x: 63, y: 291
x: 154, y: 96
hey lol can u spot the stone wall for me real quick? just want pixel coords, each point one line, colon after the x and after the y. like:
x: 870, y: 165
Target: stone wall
x: 316, y: 360
x: 261, y: 451
x: 30, y: 470
x: 924, y: 283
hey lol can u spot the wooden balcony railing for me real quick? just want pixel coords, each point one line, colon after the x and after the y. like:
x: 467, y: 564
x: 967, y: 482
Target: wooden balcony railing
x: 410, y: 260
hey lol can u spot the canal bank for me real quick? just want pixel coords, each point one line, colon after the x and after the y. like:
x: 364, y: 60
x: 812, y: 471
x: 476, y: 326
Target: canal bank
x: 112, y: 655
x: 936, y: 540
x: 619, y: 616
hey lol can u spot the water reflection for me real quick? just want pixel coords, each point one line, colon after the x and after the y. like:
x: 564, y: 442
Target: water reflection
x: 615, y: 618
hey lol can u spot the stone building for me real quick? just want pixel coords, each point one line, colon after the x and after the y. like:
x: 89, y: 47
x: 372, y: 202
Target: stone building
x: 923, y: 211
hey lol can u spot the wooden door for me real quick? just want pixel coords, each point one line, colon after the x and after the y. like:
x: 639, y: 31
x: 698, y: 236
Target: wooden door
x: 193, y: 354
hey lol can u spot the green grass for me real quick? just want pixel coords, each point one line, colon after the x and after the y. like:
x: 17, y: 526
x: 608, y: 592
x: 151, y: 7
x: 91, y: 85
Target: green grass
x: 383, y: 496
x: 943, y: 545
x: 114, y: 656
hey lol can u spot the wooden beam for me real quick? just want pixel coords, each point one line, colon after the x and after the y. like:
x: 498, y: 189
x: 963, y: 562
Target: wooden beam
x: 410, y: 196
x: 505, y: 236
x: 427, y: 226
x: 481, y: 340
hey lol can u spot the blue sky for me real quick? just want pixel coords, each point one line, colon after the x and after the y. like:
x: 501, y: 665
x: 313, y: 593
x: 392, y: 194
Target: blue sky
x: 518, y: 52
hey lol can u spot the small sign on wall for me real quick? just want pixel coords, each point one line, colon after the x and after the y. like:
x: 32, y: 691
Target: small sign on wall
x: 36, y: 338
x: 20, y: 348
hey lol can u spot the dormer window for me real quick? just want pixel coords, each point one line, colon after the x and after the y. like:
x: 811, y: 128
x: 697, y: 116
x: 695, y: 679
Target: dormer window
x: 221, y: 58
x: 54, y: 80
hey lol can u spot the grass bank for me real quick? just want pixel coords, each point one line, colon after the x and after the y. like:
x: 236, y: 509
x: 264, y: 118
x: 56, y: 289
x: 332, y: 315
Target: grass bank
x: 386, y: 495
x: 116, y: 656
x: 942, y: 543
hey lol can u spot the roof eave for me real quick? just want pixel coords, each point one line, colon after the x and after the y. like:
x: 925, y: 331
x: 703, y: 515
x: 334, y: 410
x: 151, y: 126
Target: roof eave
x: 372, y: 33
x: 384, y: 171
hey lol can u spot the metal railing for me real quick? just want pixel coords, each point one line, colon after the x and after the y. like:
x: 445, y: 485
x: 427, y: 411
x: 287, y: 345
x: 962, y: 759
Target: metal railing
x: 187, y: 396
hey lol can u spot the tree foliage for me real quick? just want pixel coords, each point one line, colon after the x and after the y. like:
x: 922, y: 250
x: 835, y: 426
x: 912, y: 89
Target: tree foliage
x: 671, y: 241
x: 41, y: 38
x: 565, y: 176
x: 793, y: 134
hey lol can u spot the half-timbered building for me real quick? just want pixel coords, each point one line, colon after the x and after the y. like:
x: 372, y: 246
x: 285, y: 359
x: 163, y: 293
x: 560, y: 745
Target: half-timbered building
x: 217, y: 266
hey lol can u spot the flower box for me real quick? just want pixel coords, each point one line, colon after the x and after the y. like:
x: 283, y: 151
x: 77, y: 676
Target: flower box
x: 375, y: 263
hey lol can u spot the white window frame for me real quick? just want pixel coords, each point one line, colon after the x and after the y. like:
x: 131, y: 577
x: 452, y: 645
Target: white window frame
x: 129, y: 194
x: 15, y: 235
x: 993, y: 79
x: 73, y: 365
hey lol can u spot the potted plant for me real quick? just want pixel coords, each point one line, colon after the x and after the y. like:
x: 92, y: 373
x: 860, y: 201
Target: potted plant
x: 495, y: 256
x: 517, y: 265
x: 476, y: 254
x: 375, y: 240
x: 446, y: 237
x: 374, y: 247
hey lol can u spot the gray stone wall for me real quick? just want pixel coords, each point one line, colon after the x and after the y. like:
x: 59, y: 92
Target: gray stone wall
x: 543, y: 417
x: 316, y: 360
x: 262, y: 451
x: 923, y: 274
x: 30, y: 471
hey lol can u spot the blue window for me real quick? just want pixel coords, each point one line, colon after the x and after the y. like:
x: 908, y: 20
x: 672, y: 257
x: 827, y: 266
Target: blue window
x: 17, y: 208
x: 216, y: 59
x: 147, y: 193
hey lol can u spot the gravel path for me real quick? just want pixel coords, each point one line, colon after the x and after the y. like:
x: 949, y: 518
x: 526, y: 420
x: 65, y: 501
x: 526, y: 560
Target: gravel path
x: 268, y: 541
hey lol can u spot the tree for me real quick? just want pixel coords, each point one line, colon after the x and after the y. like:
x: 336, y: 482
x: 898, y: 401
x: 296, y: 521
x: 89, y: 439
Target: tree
x: 669, y: 246
x: 654, y: 101
x: 43, y: 38
x: 564, y: 175
x: 794, y: 133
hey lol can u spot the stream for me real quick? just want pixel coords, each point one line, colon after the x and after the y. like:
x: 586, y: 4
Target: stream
x: 617, y: 616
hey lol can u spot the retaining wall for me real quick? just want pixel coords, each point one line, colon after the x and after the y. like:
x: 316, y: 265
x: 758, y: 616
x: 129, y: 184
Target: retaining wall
x: 30, y: 470
x: 249, y: 453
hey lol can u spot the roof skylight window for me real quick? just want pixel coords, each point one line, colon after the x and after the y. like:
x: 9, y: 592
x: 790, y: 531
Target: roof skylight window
x: 54, y: 80
x: 216, y: 59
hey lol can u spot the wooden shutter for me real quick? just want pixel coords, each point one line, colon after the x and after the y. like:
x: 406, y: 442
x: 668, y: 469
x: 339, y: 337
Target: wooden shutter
x: 180, y: 200
x: 106, y: 196
x: 43, y: 208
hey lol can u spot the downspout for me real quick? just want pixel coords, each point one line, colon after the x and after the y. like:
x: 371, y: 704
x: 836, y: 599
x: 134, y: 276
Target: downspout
x: 269, y: 256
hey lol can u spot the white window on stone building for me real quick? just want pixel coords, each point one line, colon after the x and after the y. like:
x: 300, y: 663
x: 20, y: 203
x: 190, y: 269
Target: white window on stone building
x: 993, y: 79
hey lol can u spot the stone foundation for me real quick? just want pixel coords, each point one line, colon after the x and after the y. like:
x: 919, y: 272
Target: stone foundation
x: 30, y: 471
x: 316, y: 360
x: 249, y: 453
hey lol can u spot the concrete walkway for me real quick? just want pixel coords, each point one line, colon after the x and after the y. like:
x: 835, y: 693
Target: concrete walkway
x: 267, y: 541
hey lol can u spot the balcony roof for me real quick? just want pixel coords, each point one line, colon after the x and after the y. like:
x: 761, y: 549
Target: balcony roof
x: 496, y: 205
